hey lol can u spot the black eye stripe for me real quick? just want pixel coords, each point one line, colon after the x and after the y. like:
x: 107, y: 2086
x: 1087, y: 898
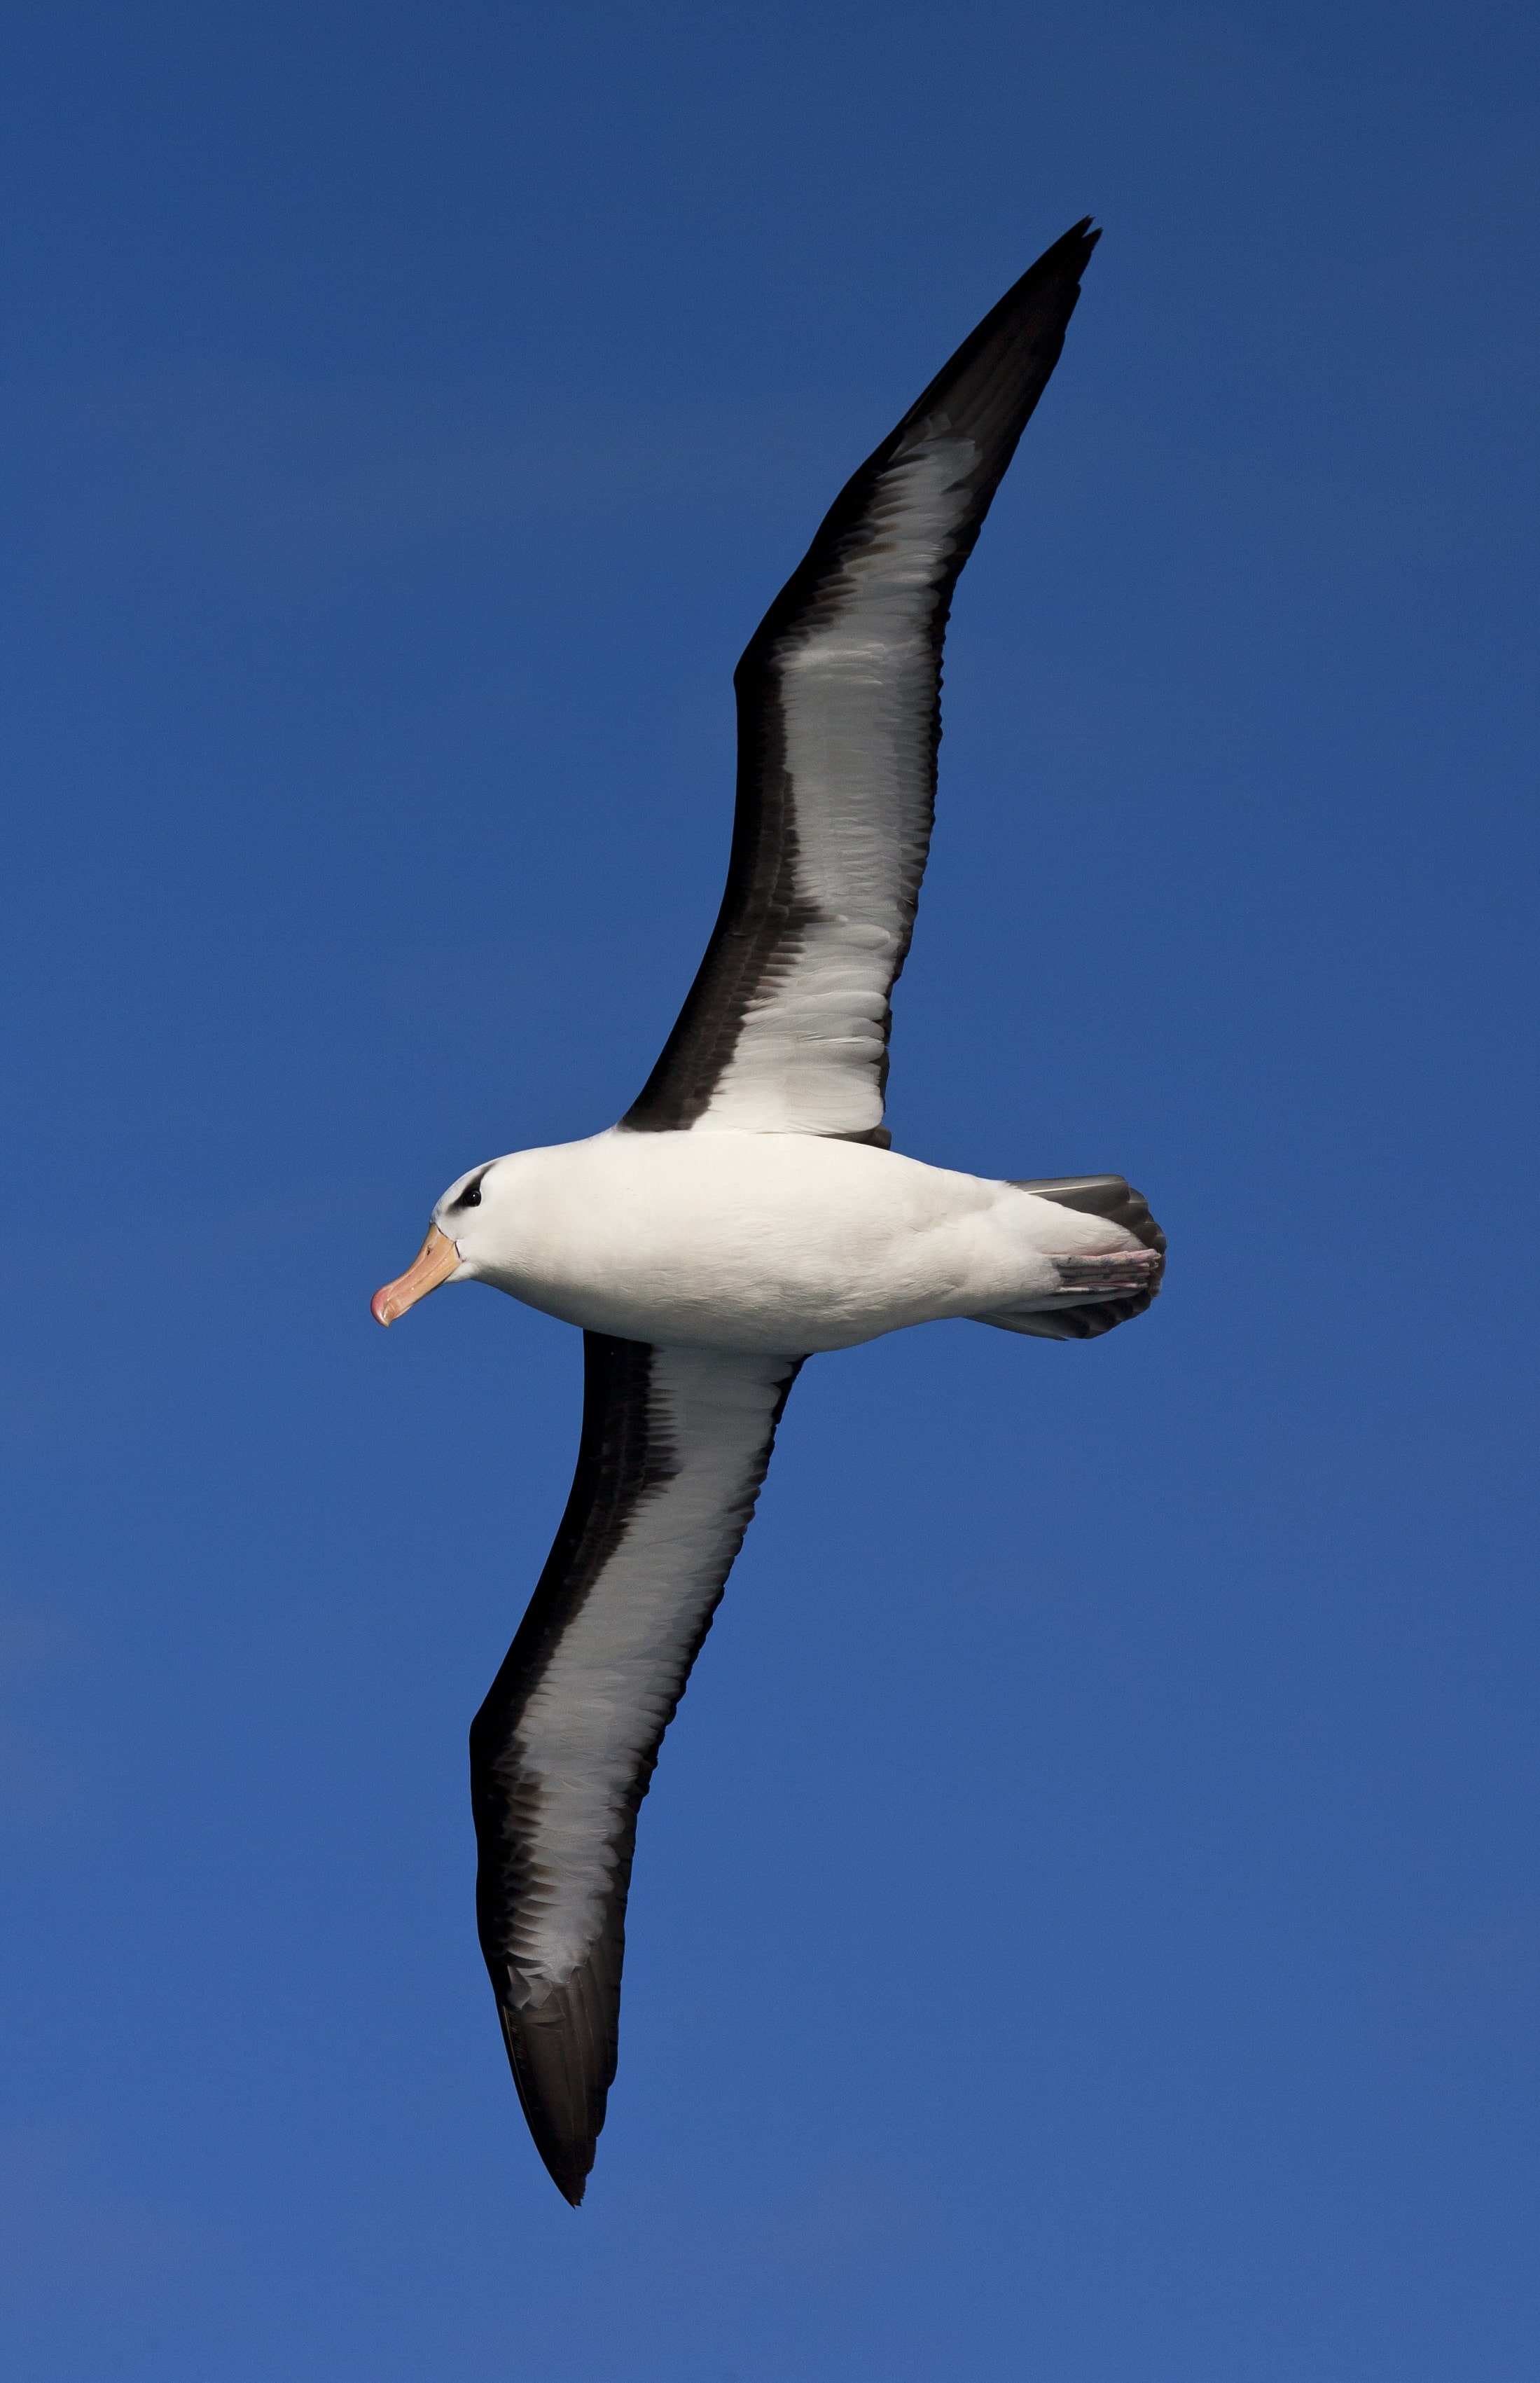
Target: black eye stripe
x: 471, y: 1196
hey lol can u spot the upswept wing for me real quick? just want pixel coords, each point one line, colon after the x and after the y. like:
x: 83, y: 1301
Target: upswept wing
x: 674, y: 1447
x: 785, y: 1027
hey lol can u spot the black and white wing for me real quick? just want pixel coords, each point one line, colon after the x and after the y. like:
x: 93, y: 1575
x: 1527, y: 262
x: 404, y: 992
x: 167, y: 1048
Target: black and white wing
x: 785, y: 1027
x: 675, y: 1443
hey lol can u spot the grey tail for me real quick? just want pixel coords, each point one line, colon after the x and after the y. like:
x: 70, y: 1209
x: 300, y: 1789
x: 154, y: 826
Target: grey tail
x: 1093, y: 1195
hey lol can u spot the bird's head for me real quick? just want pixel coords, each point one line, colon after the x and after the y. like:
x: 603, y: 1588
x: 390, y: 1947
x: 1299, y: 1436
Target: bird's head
x: 461, y: 1237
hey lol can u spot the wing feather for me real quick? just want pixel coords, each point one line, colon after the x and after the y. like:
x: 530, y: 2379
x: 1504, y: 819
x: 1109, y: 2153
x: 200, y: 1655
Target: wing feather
x: 675, y: 1444
x: 785, y: 1029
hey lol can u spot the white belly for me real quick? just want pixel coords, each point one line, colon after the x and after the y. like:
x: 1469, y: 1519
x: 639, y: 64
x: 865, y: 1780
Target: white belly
x: 783, y: 1242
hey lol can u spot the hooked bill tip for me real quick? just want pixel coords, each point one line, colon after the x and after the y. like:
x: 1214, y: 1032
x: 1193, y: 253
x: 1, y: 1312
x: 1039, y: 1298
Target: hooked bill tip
x: 433, y: 1264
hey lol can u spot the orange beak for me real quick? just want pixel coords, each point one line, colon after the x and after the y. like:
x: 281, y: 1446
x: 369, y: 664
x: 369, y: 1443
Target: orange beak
x: 434, y: 1262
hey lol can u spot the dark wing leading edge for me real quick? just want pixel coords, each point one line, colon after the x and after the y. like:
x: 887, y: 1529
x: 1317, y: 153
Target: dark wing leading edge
x: 675, y: 1443
x: 839, y: 717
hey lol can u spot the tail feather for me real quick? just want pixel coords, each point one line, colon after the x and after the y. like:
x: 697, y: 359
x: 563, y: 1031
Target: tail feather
x: 1092, y: 1195
x: 1087, y: 1322
x: 1103, y: 1195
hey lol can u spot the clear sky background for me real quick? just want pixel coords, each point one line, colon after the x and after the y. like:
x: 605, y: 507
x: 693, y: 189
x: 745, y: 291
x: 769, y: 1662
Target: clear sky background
x: 1086, y: 1924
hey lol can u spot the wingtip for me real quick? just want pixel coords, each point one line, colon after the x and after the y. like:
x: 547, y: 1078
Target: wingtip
x: 562, y: 2097
x: 567, y: 2160
x: 571, y: 2187
x: 1061, y: 265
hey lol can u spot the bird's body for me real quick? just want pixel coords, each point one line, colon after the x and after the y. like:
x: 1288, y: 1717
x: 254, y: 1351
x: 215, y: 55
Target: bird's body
x: 747, y: 1211
x: 782, y: 1243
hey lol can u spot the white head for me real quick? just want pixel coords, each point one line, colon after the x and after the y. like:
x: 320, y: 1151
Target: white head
x: 470, y: 1224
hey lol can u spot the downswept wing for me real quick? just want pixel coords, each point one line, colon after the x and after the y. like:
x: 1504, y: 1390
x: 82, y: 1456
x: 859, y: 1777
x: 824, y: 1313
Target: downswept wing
x: 785, y: 1027
x: 675, y: 1443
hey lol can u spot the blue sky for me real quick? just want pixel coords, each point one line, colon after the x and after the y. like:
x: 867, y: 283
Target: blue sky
x: 1087, y: 1922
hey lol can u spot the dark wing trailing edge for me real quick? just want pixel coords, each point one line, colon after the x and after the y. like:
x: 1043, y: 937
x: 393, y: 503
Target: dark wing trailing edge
x: 839, y: 718
x: 675, y: 1443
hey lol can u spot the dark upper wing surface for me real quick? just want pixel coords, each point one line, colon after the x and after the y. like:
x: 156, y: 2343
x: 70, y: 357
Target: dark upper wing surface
x: 839, y: 717
x: 675, y: 1443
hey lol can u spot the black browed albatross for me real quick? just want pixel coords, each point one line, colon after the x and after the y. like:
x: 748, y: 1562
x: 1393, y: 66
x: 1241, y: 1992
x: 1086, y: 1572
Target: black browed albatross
x: 748, y: 1210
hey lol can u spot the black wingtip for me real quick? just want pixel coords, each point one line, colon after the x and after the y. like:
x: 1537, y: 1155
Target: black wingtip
x: 570, y: 2178
x: 563, y: 2051
x: 1080, y: 237
x: 566, y: 2153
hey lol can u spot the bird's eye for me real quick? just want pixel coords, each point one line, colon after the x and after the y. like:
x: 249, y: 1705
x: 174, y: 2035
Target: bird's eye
x: 471, y: 1196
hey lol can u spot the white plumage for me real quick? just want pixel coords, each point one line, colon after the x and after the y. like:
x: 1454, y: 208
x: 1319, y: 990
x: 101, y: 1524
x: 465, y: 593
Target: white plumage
x: 777, y: 1242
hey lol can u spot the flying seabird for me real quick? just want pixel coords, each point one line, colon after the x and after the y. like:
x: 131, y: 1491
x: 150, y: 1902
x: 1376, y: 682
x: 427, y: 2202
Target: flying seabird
x: 748, y: 1210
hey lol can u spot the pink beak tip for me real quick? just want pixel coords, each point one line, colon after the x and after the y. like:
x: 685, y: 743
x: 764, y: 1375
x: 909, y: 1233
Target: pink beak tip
x: 434, y: 1262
